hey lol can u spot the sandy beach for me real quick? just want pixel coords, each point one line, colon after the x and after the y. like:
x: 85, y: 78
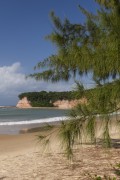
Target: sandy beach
x: 23, y: 158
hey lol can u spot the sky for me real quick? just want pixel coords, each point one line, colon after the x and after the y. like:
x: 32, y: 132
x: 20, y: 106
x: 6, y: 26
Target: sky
x: 23, y: 27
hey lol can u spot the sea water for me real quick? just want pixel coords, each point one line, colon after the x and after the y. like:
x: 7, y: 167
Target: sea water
x: 12, y: 120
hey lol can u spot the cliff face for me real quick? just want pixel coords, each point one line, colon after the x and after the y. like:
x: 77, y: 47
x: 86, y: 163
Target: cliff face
x: 61, y: 104
x: 65, y: 104
x: 23, y: 103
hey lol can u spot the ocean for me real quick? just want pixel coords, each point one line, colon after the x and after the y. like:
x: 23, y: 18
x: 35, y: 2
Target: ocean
x: 12, y: 120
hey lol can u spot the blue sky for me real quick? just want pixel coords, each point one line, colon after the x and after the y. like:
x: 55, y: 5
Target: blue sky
x: 23, y: 27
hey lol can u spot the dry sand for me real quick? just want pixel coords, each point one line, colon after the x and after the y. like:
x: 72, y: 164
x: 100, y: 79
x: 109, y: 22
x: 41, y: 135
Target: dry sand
x: 22, y: 158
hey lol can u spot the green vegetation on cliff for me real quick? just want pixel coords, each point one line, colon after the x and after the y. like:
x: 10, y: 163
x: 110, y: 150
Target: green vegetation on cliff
x: 46, y: 99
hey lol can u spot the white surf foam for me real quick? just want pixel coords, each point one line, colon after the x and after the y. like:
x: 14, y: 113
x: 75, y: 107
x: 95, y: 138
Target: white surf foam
x: 36, y: 121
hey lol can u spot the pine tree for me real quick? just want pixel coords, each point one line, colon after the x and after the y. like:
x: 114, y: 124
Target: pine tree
x: 92, y: 47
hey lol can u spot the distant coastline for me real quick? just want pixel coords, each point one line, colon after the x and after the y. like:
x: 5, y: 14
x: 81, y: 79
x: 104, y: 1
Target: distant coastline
x: 2, y: 107
x: 7, y: 106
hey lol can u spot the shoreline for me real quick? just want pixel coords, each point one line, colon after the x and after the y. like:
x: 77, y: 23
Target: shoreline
x: 17, y: 119
x: 35, y: 107
x: 16, y: 129
x: 36, y: 125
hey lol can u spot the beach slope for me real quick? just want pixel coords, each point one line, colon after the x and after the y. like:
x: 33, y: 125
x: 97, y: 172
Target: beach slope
x: 23, y: 158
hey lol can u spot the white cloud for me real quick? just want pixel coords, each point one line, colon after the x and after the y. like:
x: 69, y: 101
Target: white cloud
x: 13, y: 82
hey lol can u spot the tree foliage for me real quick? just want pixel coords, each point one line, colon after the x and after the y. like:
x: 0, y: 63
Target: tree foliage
x: 46, y: 99
x: 92, y: 47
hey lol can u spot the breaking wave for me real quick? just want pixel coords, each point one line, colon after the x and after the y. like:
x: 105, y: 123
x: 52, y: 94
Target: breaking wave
x: 36, y: 121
